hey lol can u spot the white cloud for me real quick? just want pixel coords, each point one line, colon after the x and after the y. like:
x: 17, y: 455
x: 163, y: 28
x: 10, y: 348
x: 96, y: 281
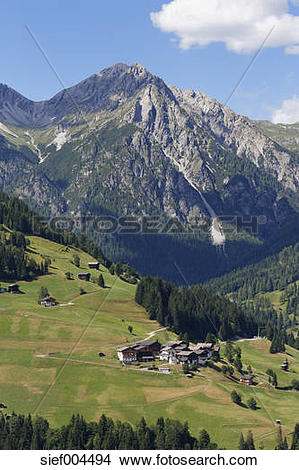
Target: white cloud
x: 288, y: 113
x: 241, y: 24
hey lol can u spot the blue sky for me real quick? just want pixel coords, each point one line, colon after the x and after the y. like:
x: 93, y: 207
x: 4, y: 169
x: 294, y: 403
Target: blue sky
x: 83, y: 37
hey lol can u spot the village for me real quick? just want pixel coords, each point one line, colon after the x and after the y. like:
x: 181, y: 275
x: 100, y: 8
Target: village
x: 177, y: 353
x: 174, y: 353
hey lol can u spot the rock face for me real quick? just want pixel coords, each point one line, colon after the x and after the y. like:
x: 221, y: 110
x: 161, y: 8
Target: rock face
x: 123, y: 142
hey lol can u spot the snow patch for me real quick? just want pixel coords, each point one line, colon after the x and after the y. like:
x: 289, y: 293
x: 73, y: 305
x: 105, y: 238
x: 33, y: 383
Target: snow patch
x: 60, y: 140
x: 5, y: 129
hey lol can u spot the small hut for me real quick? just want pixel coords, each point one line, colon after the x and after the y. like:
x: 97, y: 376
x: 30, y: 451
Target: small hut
x: 94, y: 265
x: 14, y: 289
x: 84, y: 276
x: 247, y: 379
x: 285, y: 365
x: 48, y: 301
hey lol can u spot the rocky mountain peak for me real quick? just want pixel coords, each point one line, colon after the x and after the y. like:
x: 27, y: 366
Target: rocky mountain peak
x: 113, y: 71
x: 138, y: 70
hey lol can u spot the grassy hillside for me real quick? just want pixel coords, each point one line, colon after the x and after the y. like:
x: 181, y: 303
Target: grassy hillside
x: 49, y: 362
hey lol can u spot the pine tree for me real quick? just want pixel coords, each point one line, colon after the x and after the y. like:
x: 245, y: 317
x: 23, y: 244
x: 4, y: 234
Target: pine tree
x: 43, y: 292
x: 238, y: 364
x: 204, y: 440
x: 251, y: 403
x: 295, y: 440
x: 242, y: 443
x: 112, y: 269
x: 285, y: 444
x: 101, y: 281
x: 143, y: 435
x: 250, y: 441
x: 279, y: 443
x: 76, y: 260
x: 236, y: 397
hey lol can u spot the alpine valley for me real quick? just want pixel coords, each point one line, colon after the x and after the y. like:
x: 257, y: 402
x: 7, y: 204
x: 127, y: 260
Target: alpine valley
x: 123, y: 143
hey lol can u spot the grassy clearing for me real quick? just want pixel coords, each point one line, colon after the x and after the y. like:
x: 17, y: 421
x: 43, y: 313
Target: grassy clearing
x: 36, y: 341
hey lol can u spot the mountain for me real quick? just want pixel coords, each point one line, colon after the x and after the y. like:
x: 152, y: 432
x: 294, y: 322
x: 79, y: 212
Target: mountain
x: 122, y: 142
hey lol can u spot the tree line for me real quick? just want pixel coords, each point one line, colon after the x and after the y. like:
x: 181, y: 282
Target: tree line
x: 193, y: 311
x: 25, y: 432
x: 20, y: 432
x: 273, y: 273
x: 15, y: 214
x: 14, y: 262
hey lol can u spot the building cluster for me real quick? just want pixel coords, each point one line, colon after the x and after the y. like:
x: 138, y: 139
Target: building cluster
x: 179, y: 352
x: 173, y: 352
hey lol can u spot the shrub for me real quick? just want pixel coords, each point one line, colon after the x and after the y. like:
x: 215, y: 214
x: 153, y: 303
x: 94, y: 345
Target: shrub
x: 236, y: 397
x: 251, y: 403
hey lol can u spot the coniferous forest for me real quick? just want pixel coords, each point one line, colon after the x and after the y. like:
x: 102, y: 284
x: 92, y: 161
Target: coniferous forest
x: 14, y: 263
x: 193, y: 310
x: 19, y: 432
x: 24, y: 432
x: 273, y: 273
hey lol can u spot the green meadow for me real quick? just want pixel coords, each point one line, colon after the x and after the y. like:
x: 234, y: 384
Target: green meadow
x: 49, y: 361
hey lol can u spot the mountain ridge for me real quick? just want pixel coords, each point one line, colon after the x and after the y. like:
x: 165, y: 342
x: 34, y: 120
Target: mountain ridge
x: 140, y: 147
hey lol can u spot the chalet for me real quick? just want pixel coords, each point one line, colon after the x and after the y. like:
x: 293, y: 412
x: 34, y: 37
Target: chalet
x: 147, y: 351
x: 202, y: 357
x: 207, y: 347
x: 94, y: 265
x: 48, y: 301
x: 14, y: 289
x: 84, y: 276
x: 170, y: 349
x: 285, y: 365
x: 247, y: 379
x: 187, y: 357
x: 127, y: 354
x: 165, y: 353
x: 143, y: 352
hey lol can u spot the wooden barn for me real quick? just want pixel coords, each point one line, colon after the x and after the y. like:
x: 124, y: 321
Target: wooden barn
x: 142, y: 352
x: 247, y: 379
x: 14, y: 289
x: 94, y: 265
x: 84, y: 276
x: 48, y: 301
